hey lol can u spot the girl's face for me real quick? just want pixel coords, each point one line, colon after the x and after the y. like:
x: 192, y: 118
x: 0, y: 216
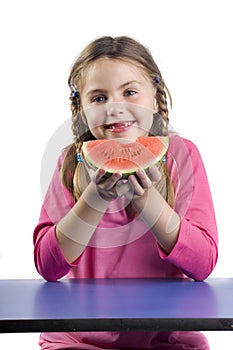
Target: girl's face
x: 118, y: 100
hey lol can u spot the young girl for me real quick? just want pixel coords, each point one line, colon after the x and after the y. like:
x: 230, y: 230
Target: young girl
x: 157, y: 223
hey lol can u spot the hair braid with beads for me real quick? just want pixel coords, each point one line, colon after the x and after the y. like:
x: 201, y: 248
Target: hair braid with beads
x: 73, y: 174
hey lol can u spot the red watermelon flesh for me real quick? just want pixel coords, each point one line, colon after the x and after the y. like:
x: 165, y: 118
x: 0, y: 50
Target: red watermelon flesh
x: 116, y: 156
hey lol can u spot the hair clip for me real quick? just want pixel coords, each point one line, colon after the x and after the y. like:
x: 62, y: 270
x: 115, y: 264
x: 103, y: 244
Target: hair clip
x: 79, y: 158
x: 73, y: 89
x: 157, y: 80
x: 164, y: 159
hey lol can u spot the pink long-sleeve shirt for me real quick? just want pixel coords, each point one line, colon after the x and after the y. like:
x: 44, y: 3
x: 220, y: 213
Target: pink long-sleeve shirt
x: 123, y: 246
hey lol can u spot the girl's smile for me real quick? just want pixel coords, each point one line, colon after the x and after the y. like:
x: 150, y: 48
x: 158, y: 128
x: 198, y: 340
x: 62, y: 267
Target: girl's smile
x: 119, y: 127
x: 118, y: 100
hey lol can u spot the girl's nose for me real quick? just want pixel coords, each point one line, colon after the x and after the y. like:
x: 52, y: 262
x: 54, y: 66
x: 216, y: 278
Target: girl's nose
x: 114, y: 109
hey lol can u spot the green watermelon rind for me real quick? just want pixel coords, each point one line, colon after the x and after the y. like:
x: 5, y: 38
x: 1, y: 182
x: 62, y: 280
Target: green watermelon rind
x: 127, y: 172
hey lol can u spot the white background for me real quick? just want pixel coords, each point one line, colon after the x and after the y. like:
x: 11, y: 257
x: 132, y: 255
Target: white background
x: 192, y: 44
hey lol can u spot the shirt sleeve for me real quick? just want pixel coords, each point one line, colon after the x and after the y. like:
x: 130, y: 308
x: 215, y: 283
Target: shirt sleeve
x: 196, y: 250
x: 49, y: 259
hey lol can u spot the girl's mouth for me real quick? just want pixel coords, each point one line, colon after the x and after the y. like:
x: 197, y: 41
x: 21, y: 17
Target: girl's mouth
x: 119, y: 126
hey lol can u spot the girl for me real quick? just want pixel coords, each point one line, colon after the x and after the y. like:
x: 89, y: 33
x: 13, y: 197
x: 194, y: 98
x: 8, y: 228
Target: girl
x: 157, y: 223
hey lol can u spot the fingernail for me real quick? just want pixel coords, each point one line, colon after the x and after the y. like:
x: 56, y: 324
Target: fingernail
x: 140, y: 172
x: 117, y: 175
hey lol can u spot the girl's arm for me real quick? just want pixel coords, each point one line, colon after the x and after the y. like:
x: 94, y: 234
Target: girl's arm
x: 162, y: 220
x: 48, y: 256
x: 187, y: 235
x: 76, y: 228
x: 65, y: 227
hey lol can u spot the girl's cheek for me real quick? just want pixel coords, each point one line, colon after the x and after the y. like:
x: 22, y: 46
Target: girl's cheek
x: 95, y: 117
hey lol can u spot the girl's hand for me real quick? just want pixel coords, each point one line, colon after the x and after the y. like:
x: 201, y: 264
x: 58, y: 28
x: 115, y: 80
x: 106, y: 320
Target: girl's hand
x: 138, y: 184
x: 143, y: 180
x: 106, y: 185
x: 112, y: 186
x: 135, y: 186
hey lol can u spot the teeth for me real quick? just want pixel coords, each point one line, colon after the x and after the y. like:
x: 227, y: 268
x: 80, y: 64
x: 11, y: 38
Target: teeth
x: 119, y: 125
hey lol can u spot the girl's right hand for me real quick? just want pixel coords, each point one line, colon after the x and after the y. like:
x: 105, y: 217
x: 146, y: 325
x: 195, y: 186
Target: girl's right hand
x: 107, y: 185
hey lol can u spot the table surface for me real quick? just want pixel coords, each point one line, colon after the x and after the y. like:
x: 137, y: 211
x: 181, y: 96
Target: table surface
x: 35, y: 305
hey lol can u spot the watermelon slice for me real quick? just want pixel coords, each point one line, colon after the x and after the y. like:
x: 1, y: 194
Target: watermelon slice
x: 117, y: 156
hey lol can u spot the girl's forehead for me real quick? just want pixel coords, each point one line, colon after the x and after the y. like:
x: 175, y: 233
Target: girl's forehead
x: 110, y: 66
x: 104, y: 62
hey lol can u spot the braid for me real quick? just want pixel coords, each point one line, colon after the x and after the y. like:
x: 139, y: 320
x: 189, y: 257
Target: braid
x: 161, y: 98
x: 160, y: 128
x: 75, y: 114
x: 73, y: 174
x: 162, y: 101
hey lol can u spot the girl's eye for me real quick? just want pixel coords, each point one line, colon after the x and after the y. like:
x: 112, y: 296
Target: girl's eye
x: 99, y: 99
x: 130, y: 93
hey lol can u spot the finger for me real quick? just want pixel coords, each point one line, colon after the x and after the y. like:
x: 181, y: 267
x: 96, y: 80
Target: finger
x: 105, y: 180
x: 111, y: 181
x: 137, y: 188
x: 143, y: 179
x: 99, y: 175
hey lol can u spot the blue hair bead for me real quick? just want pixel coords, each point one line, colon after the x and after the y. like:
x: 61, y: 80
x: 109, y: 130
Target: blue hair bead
x: 79, y: 158
x: 74, y: 93
x: 164, y: 159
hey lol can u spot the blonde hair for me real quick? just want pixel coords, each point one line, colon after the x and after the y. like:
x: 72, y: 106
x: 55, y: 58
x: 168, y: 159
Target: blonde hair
x: 73, y: 174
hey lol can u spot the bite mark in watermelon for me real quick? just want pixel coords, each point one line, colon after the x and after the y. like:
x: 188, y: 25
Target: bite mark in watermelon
x: 115, y: 156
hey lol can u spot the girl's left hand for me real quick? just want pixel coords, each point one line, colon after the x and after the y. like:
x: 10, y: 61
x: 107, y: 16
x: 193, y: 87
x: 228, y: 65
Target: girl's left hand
x: 143, y: 180
x: 138, y: 183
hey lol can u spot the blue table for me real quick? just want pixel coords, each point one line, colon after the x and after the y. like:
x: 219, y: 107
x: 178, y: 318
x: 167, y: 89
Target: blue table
x: 115, y: 304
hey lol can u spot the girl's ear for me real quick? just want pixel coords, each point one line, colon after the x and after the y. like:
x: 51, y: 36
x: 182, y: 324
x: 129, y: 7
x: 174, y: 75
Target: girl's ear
x: 156, y: 106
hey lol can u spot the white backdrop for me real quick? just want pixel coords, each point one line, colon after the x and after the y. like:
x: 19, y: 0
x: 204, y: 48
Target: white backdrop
x: 191, y: 42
